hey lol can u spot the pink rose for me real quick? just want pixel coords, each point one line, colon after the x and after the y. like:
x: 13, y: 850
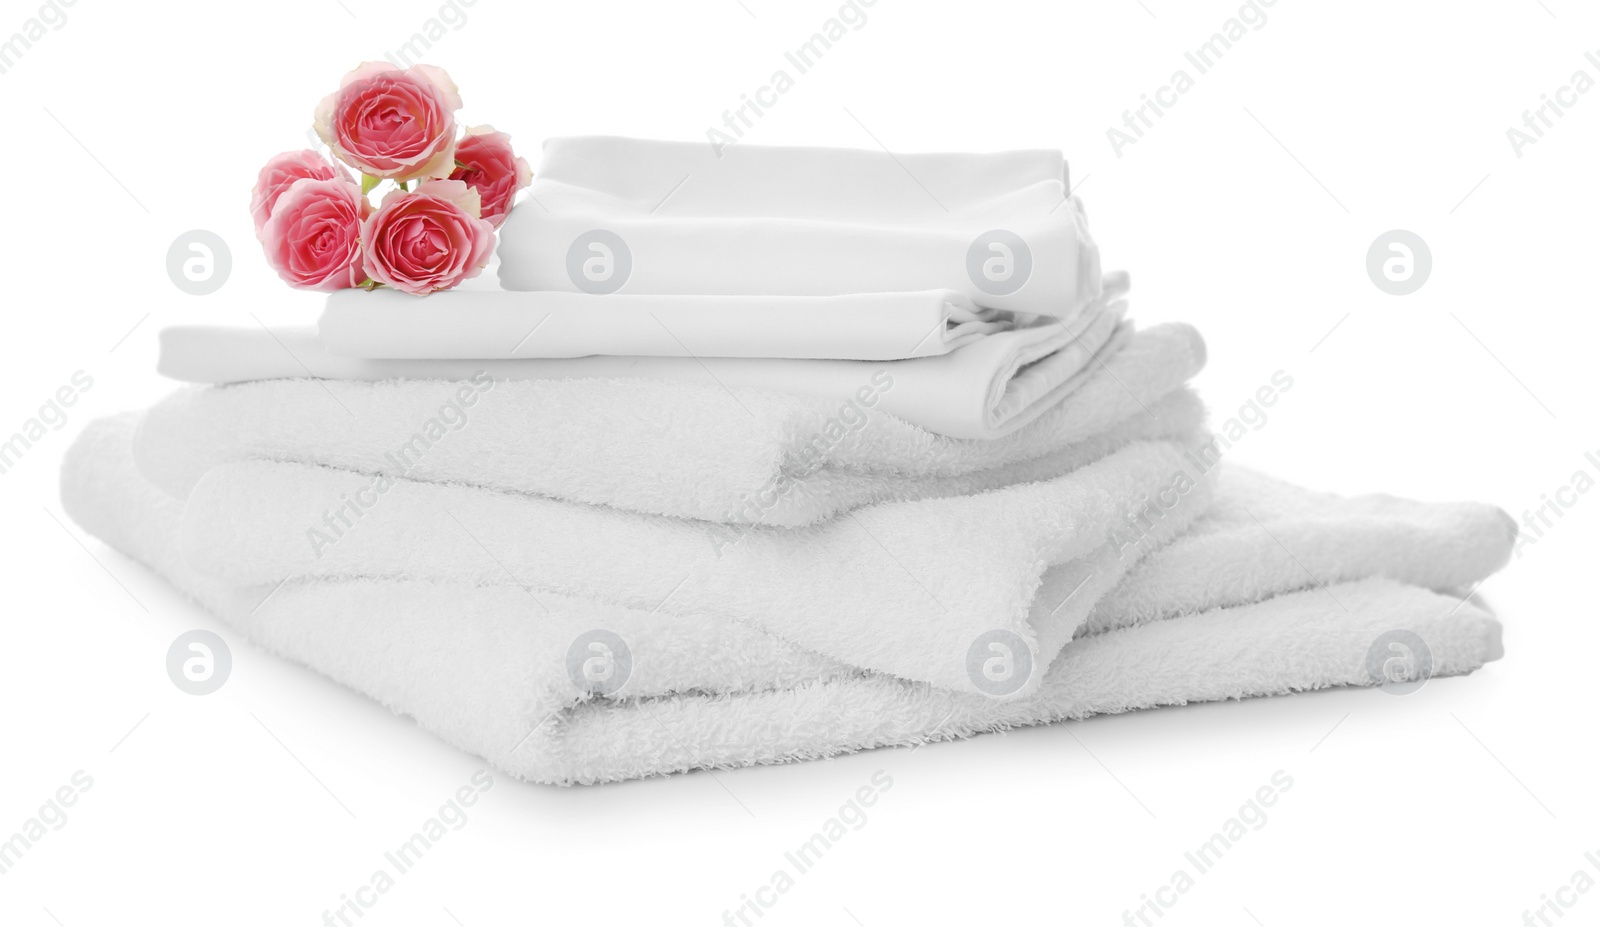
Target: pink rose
x: 313, y: 238
x: 282, y: 171
x: 485, y: 162
x: 392, y: 123
x: 428, y: 239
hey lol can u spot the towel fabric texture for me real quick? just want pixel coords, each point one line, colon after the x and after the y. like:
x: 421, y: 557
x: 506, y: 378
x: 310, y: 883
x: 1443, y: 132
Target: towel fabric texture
x: 902, y: 588
x: 656, y: 217
x: 720, y: 451
x: 502, y: 669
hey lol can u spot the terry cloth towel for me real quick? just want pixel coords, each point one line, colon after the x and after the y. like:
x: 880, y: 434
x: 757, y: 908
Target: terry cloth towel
x: 902, y: 587
x: 1264, y: 534
x: 887, y: 588
x: 487, y: 670
x: 639, y: 216
x: 986, y: 389
x: 669, y: 448
x: 480, y: 320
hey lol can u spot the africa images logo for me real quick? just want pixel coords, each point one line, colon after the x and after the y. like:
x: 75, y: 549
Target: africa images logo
x: 999, y: 663
x: 599, y: 262
x: 1399, y: 662
x: 599, y: 662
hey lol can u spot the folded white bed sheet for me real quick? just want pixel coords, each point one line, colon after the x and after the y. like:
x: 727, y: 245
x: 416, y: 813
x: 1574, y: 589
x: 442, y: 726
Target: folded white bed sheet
x: 485, y: 321
x: 986, y: 389
x: 493, y: 674
x: 669, y: 448
x: 686, y: 218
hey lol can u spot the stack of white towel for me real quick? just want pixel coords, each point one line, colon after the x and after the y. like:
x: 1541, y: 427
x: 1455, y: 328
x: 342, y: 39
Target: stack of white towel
x: 812, y: 477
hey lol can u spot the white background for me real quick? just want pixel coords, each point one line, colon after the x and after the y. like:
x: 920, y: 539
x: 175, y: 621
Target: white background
x: 1246, y: 210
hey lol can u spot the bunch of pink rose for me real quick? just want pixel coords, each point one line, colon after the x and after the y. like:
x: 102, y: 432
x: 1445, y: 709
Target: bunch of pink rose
x: 434, y: 229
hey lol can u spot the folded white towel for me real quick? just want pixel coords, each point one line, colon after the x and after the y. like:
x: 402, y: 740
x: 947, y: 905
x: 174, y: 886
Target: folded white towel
x: 488, y: 671
x: 902, y: 587
x: 639, y: 216
x: 670, y: 448
x: 1265, y: 535
x: 484, y: 321
x: 987, y: 389
x: 258, y: 523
